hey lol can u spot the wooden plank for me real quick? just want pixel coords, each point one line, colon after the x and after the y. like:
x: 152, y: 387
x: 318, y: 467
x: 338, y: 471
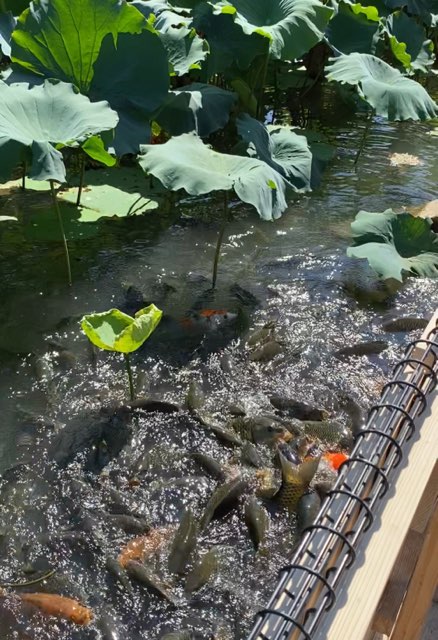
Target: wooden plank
x: 380, y: 547
x: 421, y: 588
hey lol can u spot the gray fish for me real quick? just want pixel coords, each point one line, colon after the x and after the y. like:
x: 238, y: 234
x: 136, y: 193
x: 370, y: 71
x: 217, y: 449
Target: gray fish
x: 257, y: 521
x: 195, y: 396
x: 223, y: 499
x: 354, y: 412
x: 296, y: 409
x: 236, y: 410
x: 129, y: 524
x: 114, y: 568
x: 151, y: 404
x: 210, y: 465
x: 183, y: 543
x: 225, y: 436
x: 107, y: 627
x: 266, y: 352
x: 202, y: 571
x: 307, y: 509
x: 373, y: 347
x: 259, y: 335
x: 140, y: 573
x: 250, y: 456
x: 407, y: 323
x: 260, y: 430
x: 183, y: 634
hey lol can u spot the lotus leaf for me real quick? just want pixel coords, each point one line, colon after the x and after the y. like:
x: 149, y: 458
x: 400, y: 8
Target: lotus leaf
x: 293, y: 26
x: 185, y: 162
x: 35, y: 118
x: 386, y: 90
x: 281, y: 148
x: 395, y: 244
x: 409, y: 43
x: 354, y: 28
x: 202, y: 108
x: 116, y: 331
x: 7, y: 25
x: 62, y: 40
x: 427, y: 9
x: 95, y: 149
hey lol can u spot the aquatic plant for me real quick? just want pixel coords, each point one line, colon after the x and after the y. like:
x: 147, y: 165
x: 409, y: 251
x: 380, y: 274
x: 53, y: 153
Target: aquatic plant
x: 395, y: 244
x: 114, y: 330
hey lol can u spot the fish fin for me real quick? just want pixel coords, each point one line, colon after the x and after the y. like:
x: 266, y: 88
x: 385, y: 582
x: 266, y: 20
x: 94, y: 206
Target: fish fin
x: 307, y: 469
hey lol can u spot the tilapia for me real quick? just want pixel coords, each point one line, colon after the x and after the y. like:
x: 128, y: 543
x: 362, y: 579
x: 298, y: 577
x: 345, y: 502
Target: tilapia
x: 299, y: 410
x: 183, y: 544
x: 140, y: 573
x: 295, y: 481
x: 223, y: 499
x: 407, y: 323
x: 373, y: 347
x: 202, y: 571
x: 257, y: 521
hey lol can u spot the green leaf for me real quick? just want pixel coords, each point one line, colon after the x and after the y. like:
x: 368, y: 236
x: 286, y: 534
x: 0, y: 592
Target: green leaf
x: 95, y: 149
x: 7, y: 25
x: 293, y: 26
x: 185, y: 162
x: 395, y: 244
x: 198, y: 107
x: 354, y: 29
x: 386, y: 90
x: 36, y: 118
x: 114, y: 330
x: 281, y: 148
x: 60, y: 39
x: 426, y: 9
x: 409, y: 43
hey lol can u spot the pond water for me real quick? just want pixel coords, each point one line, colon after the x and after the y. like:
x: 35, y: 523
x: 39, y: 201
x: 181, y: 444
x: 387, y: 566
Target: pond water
x: 294, y: 273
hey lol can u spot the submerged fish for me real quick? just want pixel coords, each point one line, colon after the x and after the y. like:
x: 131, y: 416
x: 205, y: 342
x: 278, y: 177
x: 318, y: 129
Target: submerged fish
x: 257, y: 521
x: 115, y: 568
x: 260, y: 430
x: 210, y: 465
x: 183, y: 634
x: 250, y: 456
x: 202, y: 571
x: 142, y: 574
x: 183, y: 544
x: 195, y: 396
x: 52, y: 604
x: 209, y: 319
x: 370, y: 348
x: 260, y: 335
x: 307, y: 509
x: 266, y: 352
x: 299, y: 410
x: 295, y: 481
x: 129, y: 524
x: 223, y: 499
x: 404, y: 324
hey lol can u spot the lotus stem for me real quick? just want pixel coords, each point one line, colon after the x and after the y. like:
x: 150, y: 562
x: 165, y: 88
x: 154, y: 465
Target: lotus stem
x: 260, y: 102
x: 220, y: 240
x: 15, y: 585
x: 23, y: 177
x: 364, y: 138
x: 61, y: 226
x: 129, y: 372
x: 81, y: 178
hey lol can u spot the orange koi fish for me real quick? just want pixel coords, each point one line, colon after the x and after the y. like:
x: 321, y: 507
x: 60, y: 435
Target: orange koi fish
x: 335, y: 459
x: 143, y: 547
x: 52, y: 604
x: 208, y: 319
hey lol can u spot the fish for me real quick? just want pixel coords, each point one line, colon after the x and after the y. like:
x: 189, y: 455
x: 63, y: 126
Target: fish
x: 260, y: 430
x: 225, y: 436
x: 210, y: 465
x: 143, y: 547
x: 209, y: 319
x: 183, y: 544
x: 244, y: 296
x: 202, y: 571
x: 268, y: 482
x: 115, y: 568
x: 151, y: 405
x: 58, y: 606
x: 307, y: 509
x: 295, y: 481
x: 222, y: 500
x: 408, y: 323
x: 336, y: 459
x: 259, y: 335
x: 137, y: 571
x: 183, y: 634
x: 354, y: 412
x: 373, y: 347
x: 236, y: 410
x: 329, y: 431
x: 257, y: 521
x: 299, y: 410
x: 266, y: 352
x: 250, y: 456
x: 129, y: 524
x: 107, y: 626
x: 195, y: 396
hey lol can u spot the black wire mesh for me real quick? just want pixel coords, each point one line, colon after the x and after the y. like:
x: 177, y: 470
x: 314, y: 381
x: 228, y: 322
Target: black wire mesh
x: 307, y: 587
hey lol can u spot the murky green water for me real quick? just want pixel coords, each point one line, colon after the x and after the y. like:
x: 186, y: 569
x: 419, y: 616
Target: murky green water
x: 298, y: 276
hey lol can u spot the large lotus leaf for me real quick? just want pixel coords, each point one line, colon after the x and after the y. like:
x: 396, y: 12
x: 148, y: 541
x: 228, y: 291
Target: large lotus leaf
x: 202, y: 108
x: 391, y: 94
x: 133, y: 77
x: 409, y: 43
x: 395, y: 244
x: 7, y: 25
x: 281, y: 148
x: 114, y: 330
x: 185, y: 162
x: 61, y: 39
x: 36, y: 117
x: 166, y: 16
x: 354, y: 28
x: 293, y: 26
x: 426, y: 9
x: 229, y: 44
